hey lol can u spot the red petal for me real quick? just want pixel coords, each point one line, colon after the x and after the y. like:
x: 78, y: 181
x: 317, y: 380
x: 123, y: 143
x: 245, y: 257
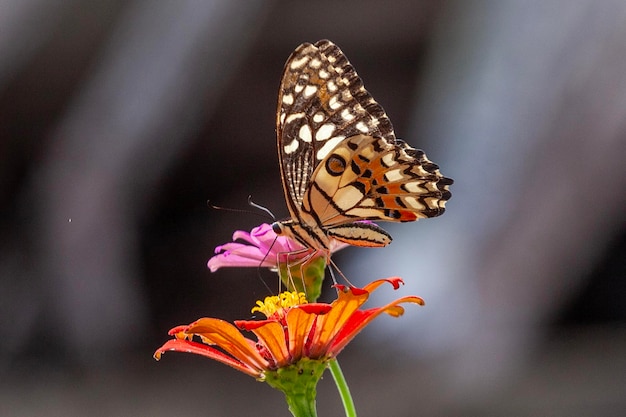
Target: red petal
x: 331, y: 323
x: 361, y: 318
x: 314, y: 308
x: 395, y: 281
x: 252, y: 324
x: 177, y: 345
x: 177, y: 330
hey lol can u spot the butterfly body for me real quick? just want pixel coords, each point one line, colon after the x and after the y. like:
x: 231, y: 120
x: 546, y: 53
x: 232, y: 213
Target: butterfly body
x: 340, y: 161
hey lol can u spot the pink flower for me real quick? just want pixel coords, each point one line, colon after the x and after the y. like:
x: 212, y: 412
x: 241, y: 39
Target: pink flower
x: 260, y: 247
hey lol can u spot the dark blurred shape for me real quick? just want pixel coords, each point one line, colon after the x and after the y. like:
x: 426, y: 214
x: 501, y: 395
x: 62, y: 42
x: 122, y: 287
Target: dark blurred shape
x: 133, y: 111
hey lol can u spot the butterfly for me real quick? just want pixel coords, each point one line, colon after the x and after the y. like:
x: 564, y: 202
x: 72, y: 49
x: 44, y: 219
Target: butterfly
x: 340, y: 161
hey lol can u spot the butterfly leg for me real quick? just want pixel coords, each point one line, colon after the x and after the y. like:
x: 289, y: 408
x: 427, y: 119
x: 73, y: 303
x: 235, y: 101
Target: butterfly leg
x: 302, y: 270
x: 334, y: 266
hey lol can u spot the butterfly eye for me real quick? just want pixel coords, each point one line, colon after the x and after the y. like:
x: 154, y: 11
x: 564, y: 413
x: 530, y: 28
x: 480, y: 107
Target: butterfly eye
x: 335, y: 165
x: 277, y: 228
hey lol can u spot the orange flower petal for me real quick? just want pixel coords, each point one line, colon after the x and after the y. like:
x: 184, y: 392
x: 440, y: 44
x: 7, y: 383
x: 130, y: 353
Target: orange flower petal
x: 272, y: 336
x: 360, y: 319
x: 330, y: 324
x: 228, y: 337
x: 177, y: 345
x: 314, y: 331
x: 299, y: 322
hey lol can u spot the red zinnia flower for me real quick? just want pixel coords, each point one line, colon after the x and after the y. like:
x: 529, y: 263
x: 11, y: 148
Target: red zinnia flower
x: 293, y: 331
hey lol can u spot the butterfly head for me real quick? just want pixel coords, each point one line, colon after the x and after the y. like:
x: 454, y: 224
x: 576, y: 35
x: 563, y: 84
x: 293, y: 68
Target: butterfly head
x: 278, y: 228
x: 310, y: 236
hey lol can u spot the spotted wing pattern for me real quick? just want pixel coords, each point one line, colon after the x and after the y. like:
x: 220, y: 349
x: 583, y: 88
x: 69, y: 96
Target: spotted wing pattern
x: 340, y: 160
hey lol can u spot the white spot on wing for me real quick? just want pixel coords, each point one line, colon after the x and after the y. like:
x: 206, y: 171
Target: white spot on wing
x: 414, y: 203
x: 305, y: 133
x: 413, y: 187
x: 394, y: 175
x: 362, y: 127
x: 323, y: 74
x: 364, y: 212
x: 298, y: 63
x: 329, y: 146
x: 388, y: 160
x: 288, y: 99
x: 318, y: 117
x: 346, y: 115
x: 332, y: 87
x: 315, y: 63
x: 334, y: 103
x: 347, y: 197
x: 310, y: 90
x: 324, y: 131
x: 298, y: 88
x: 293, y: 117
x: 291, y: 147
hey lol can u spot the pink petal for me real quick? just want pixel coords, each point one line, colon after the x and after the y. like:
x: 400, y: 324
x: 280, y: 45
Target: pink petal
x: 260, y: 247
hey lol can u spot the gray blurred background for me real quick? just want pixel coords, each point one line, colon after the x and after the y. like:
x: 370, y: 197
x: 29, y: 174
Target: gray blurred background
x: 120, y: 119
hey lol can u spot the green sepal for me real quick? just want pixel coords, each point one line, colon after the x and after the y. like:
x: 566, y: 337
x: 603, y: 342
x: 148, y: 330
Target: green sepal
x: 299, y: 384
x: 311, y: 283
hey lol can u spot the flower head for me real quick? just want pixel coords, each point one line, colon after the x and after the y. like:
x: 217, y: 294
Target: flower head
x: 260, y: 247
x: 299, y: 268
x: 275, y: 305
x: 293, y: 331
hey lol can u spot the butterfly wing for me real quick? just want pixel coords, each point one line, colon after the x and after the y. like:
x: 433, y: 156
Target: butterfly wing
x: 366, y: 177
x: 340, y: 160
x: 321, y: 102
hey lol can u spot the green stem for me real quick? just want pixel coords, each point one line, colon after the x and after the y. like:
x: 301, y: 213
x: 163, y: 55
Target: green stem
x: 301, y: 405
x: 342, y: 387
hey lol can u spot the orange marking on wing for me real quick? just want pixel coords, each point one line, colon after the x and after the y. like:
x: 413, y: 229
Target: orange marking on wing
x: 407, y: 216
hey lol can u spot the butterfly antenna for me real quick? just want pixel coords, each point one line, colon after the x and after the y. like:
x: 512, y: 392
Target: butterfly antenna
x: 260, y: 207
x: 234, y: 210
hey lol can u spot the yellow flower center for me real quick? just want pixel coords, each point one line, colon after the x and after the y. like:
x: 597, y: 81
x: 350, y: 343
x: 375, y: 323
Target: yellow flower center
x: 272, y: 304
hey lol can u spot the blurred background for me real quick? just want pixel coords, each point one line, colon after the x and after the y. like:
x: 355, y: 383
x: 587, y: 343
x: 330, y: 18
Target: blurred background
x: 120, y: 119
